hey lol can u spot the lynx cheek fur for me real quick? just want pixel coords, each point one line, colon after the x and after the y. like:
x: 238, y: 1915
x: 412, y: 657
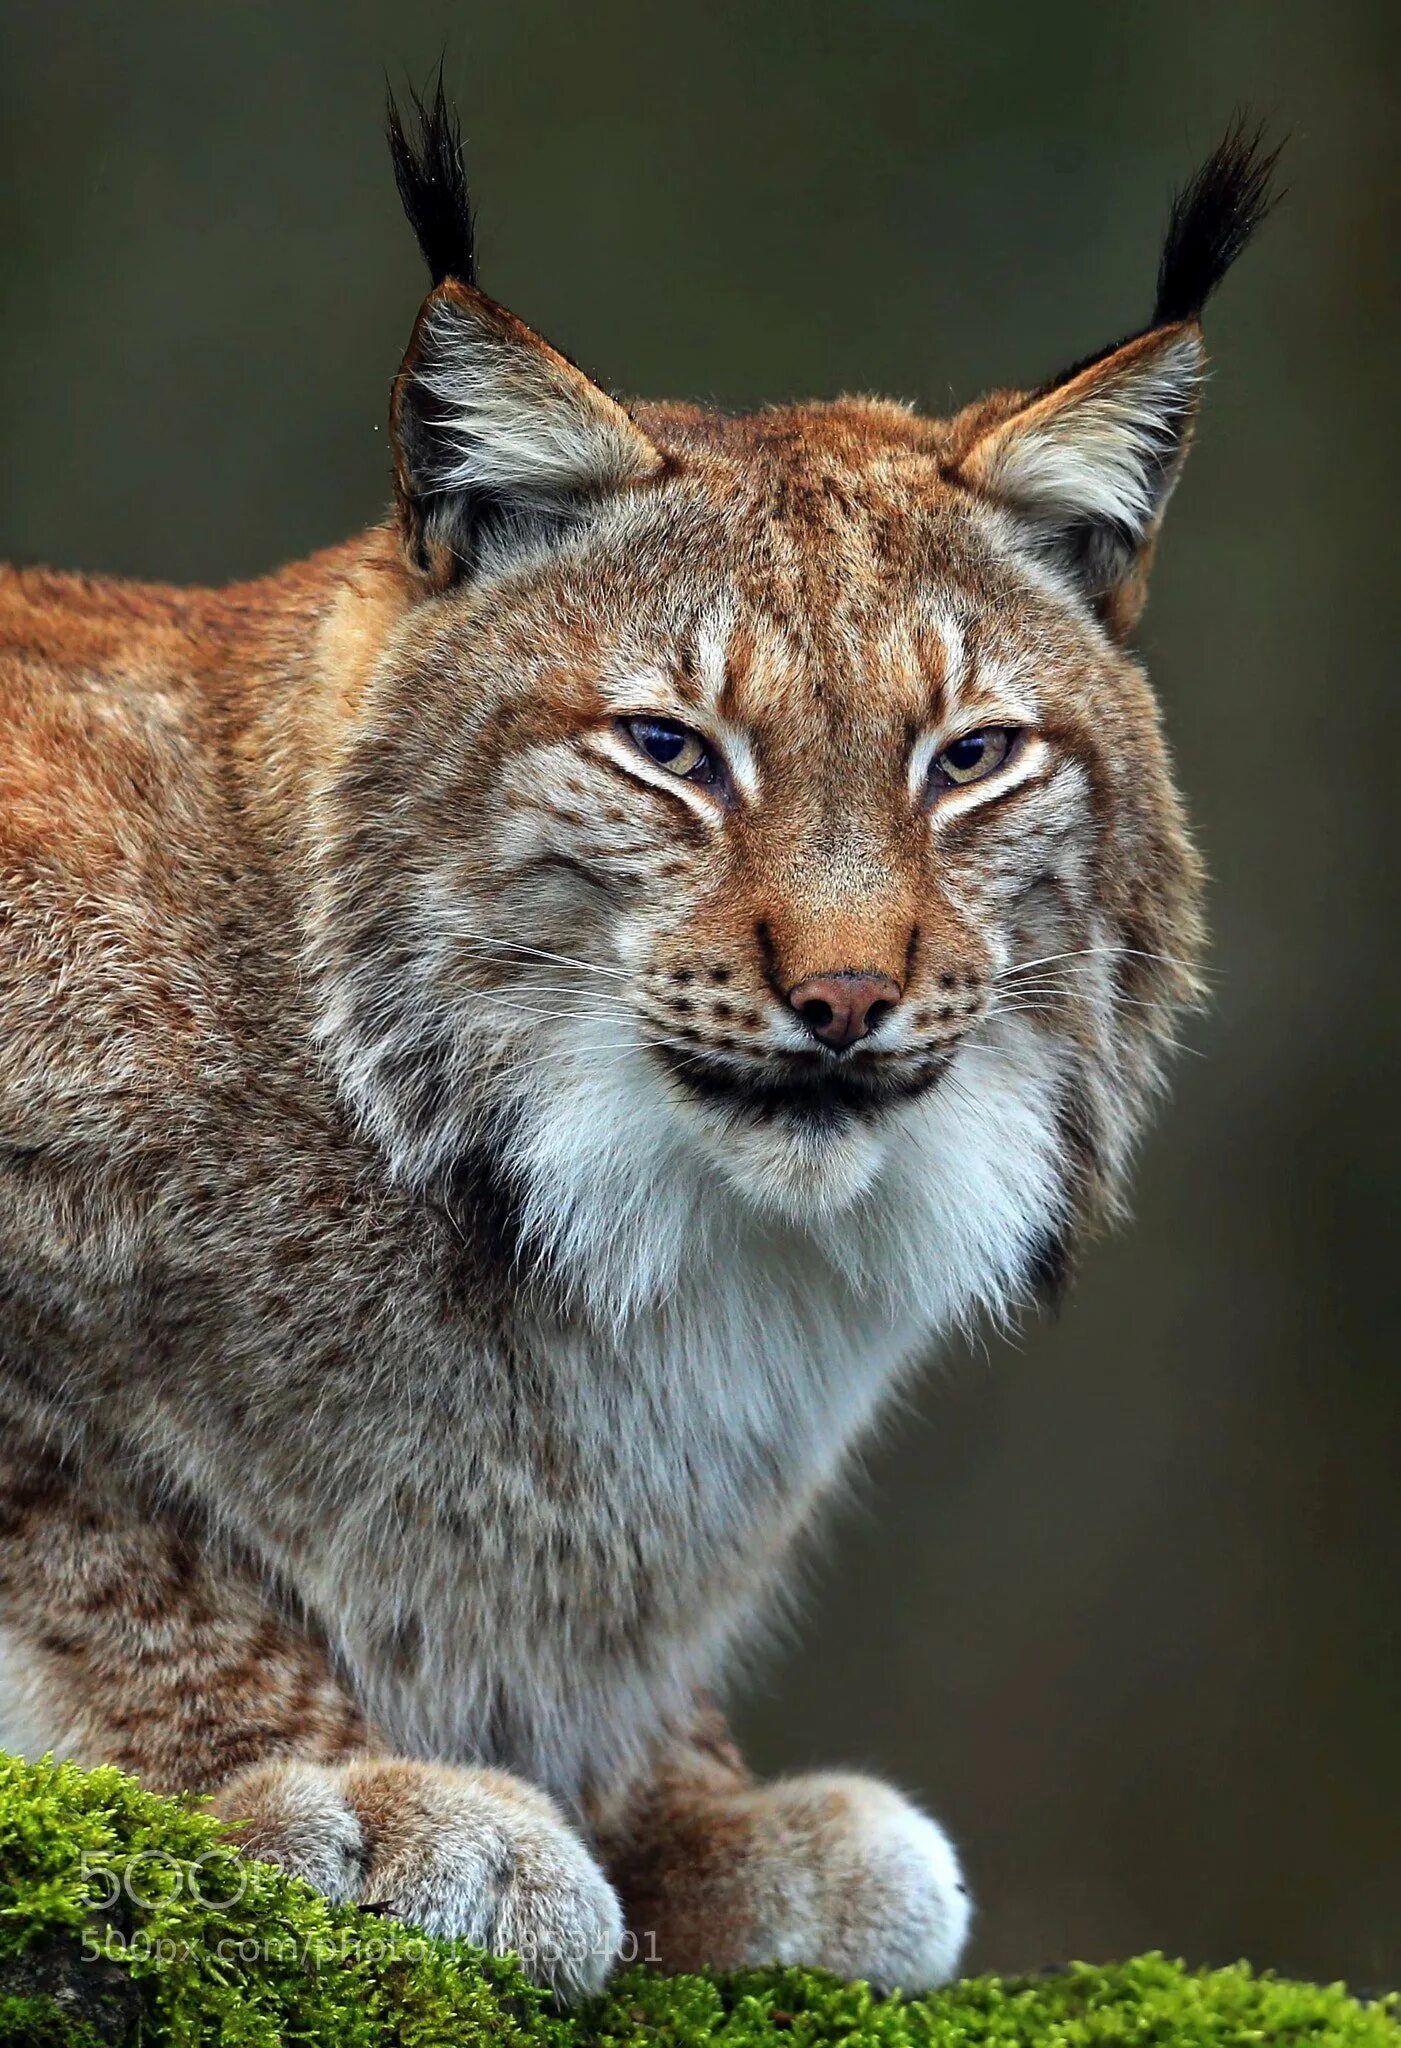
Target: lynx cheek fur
x: 513, y: 1035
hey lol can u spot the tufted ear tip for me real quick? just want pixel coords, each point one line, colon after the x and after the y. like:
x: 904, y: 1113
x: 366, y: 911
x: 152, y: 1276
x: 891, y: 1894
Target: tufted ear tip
x: 1213, y: 217
x: 1090, y: 460
x: 430, y: 172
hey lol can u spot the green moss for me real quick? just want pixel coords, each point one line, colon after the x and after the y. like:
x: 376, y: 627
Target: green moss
x: 124, y: 1916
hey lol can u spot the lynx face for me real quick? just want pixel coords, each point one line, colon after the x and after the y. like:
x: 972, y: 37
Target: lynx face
x: 760, y: 818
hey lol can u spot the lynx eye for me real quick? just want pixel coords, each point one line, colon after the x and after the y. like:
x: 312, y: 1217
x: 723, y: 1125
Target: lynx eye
x: 972, y: 758
x: 673, y: 747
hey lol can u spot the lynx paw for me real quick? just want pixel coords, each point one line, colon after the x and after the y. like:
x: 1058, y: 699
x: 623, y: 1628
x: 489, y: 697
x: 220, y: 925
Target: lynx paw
x: 470, y: 1852
x: 832, y: 1872
x: 863, y: 1883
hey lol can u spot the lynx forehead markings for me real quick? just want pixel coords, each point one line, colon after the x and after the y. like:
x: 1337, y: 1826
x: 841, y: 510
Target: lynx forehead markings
x: 514, y: 1035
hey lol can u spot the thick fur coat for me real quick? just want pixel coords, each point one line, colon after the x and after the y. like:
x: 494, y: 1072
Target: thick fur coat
x: 514, y: 1035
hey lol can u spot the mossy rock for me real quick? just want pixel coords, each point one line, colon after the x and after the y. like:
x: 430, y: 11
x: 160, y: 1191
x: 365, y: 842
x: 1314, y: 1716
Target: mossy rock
x: 128, y: 1919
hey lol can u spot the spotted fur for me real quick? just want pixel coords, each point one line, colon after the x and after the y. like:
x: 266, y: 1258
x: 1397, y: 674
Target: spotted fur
x: 441, y: 1272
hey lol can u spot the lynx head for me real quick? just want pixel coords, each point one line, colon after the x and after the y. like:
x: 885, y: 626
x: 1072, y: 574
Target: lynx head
x: 757, y: 825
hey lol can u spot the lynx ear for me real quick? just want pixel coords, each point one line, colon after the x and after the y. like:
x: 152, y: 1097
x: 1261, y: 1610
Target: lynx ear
x: 495, y: 434
x: 1090, y: 460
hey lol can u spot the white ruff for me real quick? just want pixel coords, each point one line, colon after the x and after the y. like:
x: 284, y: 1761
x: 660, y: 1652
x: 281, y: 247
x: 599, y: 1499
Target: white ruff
x: 737, y: 1311
x: 927, y: 1215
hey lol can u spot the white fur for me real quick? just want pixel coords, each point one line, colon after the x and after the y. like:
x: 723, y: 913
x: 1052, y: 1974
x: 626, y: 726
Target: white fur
x: 29, y: 1724
x: 737, y: 1300
x: 856, y: 1875
x: 628, y: 1186
x: 1099, y: 456
x: 519, y: 420
x: 947, y: 623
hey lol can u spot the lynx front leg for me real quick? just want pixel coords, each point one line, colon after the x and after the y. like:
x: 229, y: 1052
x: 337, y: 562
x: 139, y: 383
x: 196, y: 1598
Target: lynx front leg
x: 122, y: 1642
x: 832, y: 1870
x: 125, y: 1643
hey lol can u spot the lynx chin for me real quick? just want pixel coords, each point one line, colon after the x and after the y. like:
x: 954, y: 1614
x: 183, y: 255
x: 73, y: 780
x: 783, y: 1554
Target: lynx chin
x: 515, y: 1035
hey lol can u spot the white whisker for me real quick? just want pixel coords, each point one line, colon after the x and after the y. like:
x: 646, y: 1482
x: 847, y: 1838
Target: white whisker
x: 1098, y: 952
x: 513, y: 948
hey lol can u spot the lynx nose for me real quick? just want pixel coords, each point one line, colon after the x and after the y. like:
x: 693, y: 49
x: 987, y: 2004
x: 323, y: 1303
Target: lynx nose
x: 840, y: 1008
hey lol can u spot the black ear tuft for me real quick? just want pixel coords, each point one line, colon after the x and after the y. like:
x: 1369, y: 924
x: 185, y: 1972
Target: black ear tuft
x: 432, y: 181
x: 1212, y: 219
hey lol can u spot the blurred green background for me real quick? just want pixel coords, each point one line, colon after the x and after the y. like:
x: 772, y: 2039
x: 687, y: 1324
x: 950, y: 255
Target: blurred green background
x: 1122, y: 1601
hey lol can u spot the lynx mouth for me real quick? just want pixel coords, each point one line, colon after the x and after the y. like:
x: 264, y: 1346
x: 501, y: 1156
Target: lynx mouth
x: 806, y: 1089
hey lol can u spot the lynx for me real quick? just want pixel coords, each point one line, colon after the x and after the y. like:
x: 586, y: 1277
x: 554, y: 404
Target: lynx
x: 516, y: 1035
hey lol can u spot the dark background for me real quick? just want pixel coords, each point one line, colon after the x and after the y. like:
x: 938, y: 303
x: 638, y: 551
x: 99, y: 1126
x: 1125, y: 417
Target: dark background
x: 1123, y: 1602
